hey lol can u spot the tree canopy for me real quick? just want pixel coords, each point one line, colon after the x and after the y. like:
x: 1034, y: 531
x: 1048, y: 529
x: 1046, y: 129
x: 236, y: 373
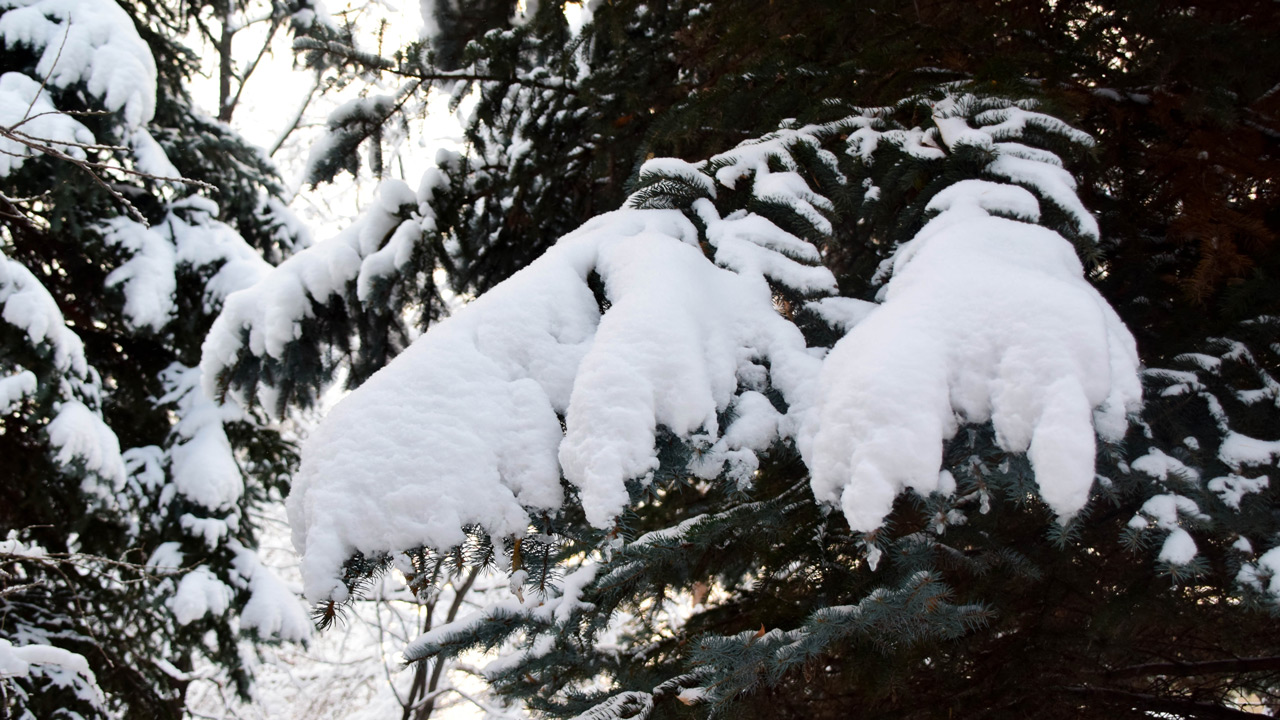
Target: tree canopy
x: 842, y: 412
x: 787, y: 358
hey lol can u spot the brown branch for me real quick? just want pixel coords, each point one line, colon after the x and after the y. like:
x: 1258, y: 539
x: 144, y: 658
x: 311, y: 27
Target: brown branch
x: 380, y: 63
x: 1154, y: 703
x: 45, y: 146
x: 1208, y: 667
x: 248, y: 71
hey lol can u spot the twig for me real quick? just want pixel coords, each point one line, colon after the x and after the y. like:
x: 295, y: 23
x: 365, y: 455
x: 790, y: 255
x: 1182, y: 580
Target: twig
x: 380, y: 63
x: 244, y: 77
x: 45, y: 80
x: 1172, y: 705
x: 1207, y: 667
x: 45, y: 146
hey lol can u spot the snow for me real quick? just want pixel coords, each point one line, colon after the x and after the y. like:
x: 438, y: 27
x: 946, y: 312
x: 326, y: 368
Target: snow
x: 1239, y: 450
x: 63, y: 667
x: 25, y: 107
x: 149, y: 157
x: 751, y: 159
x: 30, y: 308
x: 148, y: 276
x: 1165, y: 512
x: 468, y: 422
x: 1264, y: 574
x: 14, y: 388
x: 199, y: 593
x: 166, y: 556
x: 1008, y: 200
x: 1161, y: 466
x: 273, y: 610
x: 750, y: 244
x: 1178, y: 549
x: 1055, y: 183
x: 80, y: 435
x: 841, y: 312
x: 1232, y: 488
x: 189, y: 236
x: 985, y: 318
x: 204, y: 466
x: 272, y: 310
x: 93, y: 42
x: 13, y: 546
x: 690, y: 173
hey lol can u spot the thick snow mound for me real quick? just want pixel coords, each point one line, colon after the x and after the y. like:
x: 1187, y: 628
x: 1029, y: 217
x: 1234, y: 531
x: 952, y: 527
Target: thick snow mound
x: 465, y: 426
x: 985, y: 319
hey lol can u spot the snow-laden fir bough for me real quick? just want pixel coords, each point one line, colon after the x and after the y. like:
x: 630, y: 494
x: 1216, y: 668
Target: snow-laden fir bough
x: 672, y: 329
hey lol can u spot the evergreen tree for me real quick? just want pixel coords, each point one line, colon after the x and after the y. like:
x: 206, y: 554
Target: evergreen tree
x: 128, y: 497
x: 899, y: 541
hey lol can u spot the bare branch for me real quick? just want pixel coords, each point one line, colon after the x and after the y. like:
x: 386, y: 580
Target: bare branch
x: 374, y: 62
x: 45, y: 80
x: 248, y: 71
x: 297, y: 117
x: 46, y: 146
x: 1207, y: 667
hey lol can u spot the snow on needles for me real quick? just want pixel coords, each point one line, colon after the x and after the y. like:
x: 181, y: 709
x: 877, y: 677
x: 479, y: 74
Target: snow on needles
x: 89, y: 42
x: 468, y: 423
x: 987, y: 318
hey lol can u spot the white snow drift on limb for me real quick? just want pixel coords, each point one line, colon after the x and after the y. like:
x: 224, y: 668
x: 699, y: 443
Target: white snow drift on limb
x: 464, y: 426
x: 272, y: 609
x: 93, y: 42
x: 80, y: 435
x: 64, y: 668
x: 189, y: 236
x: 272, y: 310
x: 985, y: 318
x: 27, y: 108
x: 200, y: 593
x: 204, y: 465
x: 29, y: 307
